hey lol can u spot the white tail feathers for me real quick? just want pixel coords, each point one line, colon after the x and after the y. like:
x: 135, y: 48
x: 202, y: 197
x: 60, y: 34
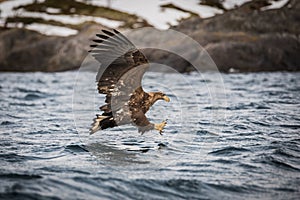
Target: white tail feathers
x: 96, y: 124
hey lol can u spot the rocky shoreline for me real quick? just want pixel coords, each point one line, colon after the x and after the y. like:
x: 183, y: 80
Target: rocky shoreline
x: 250, y: 40
x: 246, y: 39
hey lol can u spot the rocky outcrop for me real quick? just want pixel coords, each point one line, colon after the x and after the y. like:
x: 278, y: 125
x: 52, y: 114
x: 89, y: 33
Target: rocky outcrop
x: 25, y: 50
x: 245, y: 39
x: 250, y: 39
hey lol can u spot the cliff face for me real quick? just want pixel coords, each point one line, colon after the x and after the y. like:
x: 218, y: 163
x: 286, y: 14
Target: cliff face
x: 249, y: 39
x: 25, y: 50
x: 243, y: 39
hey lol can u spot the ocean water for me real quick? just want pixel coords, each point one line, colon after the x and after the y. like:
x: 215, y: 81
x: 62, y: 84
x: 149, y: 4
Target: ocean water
x: 229, y: 136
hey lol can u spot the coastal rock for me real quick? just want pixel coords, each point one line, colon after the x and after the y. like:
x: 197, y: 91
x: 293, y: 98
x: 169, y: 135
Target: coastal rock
x: 245, y: 39
x: 26, y: 50
x: 250, y: 39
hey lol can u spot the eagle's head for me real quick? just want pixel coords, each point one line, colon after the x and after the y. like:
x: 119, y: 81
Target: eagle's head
x: 161, y: 96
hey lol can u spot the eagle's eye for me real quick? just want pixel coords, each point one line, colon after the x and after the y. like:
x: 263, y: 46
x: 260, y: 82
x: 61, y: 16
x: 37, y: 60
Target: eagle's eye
x: 161, y: 94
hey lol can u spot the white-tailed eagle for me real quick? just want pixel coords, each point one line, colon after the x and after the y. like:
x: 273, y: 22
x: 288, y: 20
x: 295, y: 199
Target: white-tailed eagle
x: 120, y: 79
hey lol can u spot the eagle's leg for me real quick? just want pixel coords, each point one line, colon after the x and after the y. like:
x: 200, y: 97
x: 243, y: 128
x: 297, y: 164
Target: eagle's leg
x: 160, y: 127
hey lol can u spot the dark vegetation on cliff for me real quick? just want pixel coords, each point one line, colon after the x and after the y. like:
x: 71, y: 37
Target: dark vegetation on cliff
x: 70, y: 7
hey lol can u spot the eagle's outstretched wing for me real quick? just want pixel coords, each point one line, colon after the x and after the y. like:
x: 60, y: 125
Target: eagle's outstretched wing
x: 120, y: 74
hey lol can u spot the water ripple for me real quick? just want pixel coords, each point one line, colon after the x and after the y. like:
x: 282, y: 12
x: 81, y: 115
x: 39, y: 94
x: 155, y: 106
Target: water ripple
x: 250, y: 153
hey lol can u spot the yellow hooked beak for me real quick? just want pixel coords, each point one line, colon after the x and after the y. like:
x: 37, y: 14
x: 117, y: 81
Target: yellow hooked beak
x: 166, y: 98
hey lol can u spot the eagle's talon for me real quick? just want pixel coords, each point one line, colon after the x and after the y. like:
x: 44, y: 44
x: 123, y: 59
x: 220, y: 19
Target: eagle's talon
x: 160, y: 127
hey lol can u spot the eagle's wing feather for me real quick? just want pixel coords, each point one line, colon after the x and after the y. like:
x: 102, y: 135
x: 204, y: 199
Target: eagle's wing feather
x: 120, y: 74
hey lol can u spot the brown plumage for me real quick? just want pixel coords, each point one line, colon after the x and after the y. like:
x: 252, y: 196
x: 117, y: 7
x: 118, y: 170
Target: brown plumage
x: 119, y: 78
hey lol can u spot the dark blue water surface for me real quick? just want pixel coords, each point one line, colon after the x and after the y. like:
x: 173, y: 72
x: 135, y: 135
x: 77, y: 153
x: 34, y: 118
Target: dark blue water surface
x: 237, y: 140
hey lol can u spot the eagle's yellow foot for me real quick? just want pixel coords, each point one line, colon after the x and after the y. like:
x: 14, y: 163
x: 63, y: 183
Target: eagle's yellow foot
x: 160, y: 127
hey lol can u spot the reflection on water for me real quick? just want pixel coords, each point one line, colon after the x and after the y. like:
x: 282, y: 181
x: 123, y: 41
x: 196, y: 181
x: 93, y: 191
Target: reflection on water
x: 109, y: 155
